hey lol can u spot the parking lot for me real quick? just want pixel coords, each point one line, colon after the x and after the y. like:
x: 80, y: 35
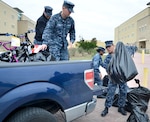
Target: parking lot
x: 113, y: 115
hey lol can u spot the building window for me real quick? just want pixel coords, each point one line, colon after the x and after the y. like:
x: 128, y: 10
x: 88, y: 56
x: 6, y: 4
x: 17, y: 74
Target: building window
x: 4, y: 12
x: 5, y: 24
x: 19, y: 16
x: 12, y: 26
x: 145, y: 26
x: 139, y: 29
x: 12, y: 16
x: 125, y: 29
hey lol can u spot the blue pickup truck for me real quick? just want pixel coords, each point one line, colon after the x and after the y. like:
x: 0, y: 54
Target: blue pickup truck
x: 46, y: 91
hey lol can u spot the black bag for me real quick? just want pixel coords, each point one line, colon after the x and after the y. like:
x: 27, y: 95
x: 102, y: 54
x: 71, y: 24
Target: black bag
x: 121, y: 67
x: 105, y: 80
x: 139, y: 97
x: 136, y: 103
x: 139, y: 100
x: 138, y: 116
x: 43, y: 56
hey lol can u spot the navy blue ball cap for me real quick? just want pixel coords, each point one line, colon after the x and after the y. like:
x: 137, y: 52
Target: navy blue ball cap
x: 108, y: 43
x: 100, y: 49
x: 48, y: 10
x: 69, y: 5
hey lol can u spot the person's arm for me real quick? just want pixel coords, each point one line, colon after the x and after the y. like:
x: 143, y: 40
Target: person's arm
x: 47, y: 33
x: 72, y: 32
x: 96, y: 63
x: 106, y: 61
x: 101, y: 63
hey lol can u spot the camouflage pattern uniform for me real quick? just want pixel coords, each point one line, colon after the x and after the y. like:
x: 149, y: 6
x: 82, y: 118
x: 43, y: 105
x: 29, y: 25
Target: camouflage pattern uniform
x: 112, y: 88
x: 55, y: 34
x: 96, y: 62
x: 107, y: 60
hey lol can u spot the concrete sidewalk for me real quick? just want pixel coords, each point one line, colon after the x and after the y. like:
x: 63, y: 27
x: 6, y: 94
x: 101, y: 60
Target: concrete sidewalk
x: 143, y: 70
x: 113, y: 115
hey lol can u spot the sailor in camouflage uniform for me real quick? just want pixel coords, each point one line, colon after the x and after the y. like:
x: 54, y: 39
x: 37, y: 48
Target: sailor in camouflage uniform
x: 112, y: 86
x: 96, y: 63
x: 56, y: 32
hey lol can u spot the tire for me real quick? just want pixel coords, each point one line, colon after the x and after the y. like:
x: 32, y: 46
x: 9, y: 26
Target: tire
x: 32, y: 114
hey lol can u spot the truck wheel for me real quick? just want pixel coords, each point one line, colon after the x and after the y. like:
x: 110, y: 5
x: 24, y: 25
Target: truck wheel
x: 32, y: 115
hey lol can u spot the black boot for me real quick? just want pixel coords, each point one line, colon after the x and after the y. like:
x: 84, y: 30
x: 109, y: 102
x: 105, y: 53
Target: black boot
x: 104, y: 112
x: 122, y: 111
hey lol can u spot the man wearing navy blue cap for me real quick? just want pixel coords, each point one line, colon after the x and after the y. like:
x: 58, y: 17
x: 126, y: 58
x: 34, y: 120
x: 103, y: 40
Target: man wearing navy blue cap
x: 69, y: 6
x: 96, y: 63
x: 108, y: 43
x: 41, y: 23
x: 112, y: 85
x: 56, y: 31
x: 110, y: 49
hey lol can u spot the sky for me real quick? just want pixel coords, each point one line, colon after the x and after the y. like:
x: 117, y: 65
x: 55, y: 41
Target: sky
x: 93, y: 18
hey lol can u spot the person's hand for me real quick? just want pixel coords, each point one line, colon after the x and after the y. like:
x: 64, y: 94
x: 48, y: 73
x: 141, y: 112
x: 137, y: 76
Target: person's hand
x: 44, y: 46
x: 70, y: 45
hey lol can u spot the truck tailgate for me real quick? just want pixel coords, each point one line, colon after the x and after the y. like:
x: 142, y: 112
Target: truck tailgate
x: 99, y: 90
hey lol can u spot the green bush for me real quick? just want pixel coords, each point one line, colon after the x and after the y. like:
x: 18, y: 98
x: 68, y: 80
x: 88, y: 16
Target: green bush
x: 87, y: 45
x: 72, y: 51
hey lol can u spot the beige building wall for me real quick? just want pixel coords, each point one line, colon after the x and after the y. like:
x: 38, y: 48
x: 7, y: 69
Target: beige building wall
x: 24, y: 26
x: 143, y: 33
x: 12, y: 20
x: 100, y: 43
x: 128, y: 32
x: 8, y: 23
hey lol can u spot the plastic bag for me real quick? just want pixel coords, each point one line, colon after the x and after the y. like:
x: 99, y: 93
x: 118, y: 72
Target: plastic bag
x: 138, y: 99
x: 121, y: 67
x: 105, y: 81
x: 136, y: 103
x: 138, y: 116
x: 42, y: 56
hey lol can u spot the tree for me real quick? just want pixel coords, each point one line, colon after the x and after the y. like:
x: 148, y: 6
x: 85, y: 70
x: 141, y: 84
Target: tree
x: 88, y: 45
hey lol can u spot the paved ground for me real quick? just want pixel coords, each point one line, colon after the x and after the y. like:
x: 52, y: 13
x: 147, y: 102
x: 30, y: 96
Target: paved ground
x: 113, y: 115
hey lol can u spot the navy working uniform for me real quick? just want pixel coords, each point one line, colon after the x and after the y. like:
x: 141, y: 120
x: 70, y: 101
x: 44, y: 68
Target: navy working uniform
x: 96, y: 63
x: 112, y: 88
x: 56, y: 31
x: 40, y: 25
